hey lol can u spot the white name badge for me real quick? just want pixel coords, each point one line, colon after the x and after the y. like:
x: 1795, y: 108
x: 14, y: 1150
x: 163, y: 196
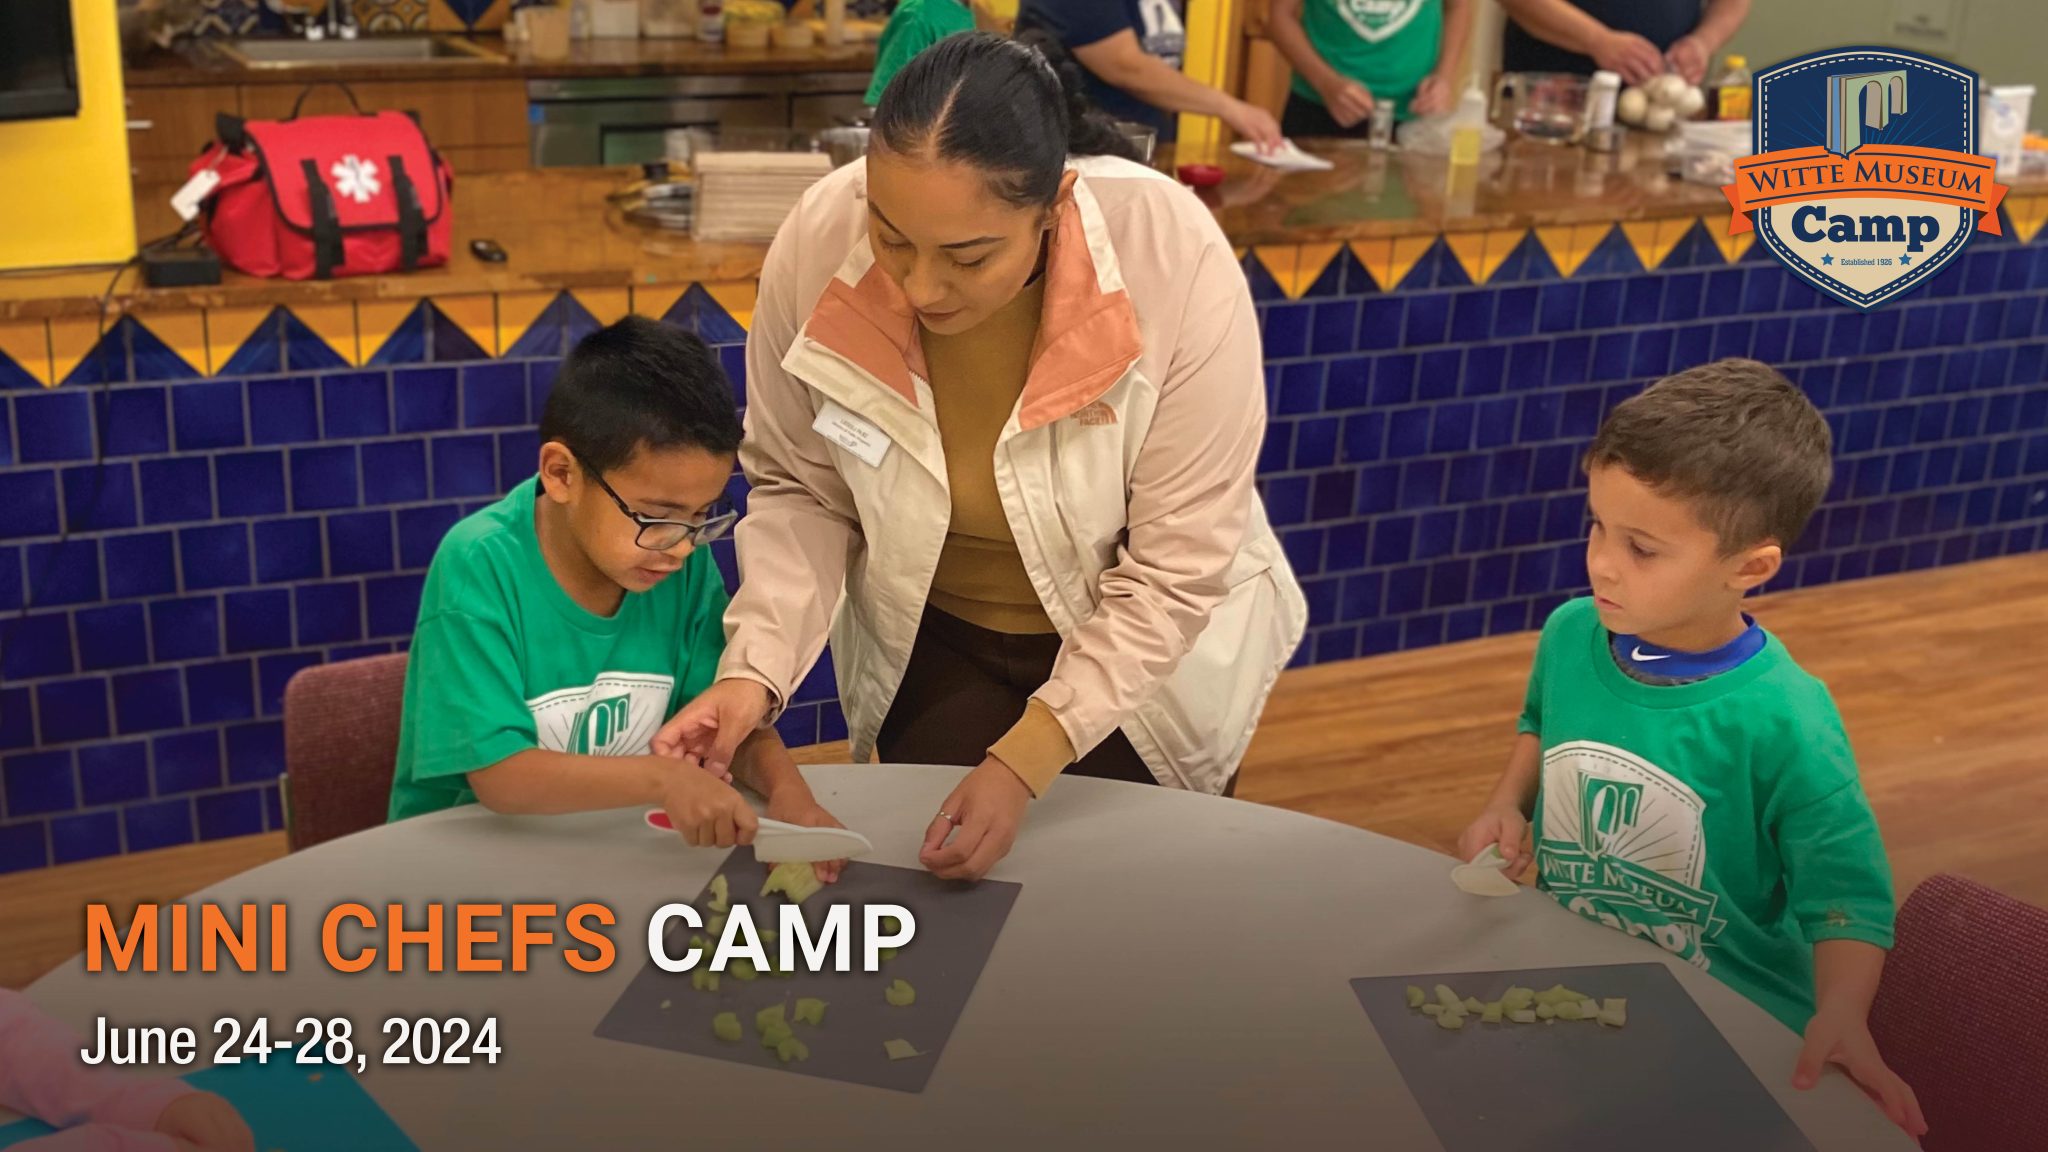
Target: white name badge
x: 856, y: 435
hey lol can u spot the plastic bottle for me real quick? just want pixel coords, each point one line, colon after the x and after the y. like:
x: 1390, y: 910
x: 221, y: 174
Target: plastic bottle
x: 1468, y: 124
x: 711, y: 21
x: 1601, y: 96
x: 1731, y: 90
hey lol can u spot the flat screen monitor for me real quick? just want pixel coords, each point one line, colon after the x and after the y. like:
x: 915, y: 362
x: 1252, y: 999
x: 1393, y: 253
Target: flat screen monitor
x: 38, y: 64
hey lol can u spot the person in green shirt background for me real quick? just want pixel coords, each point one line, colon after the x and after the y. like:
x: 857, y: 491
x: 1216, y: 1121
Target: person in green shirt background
x: 914, y: 26
x: 1349, y: 55
x: 1690, y: 783
x: 561, y: 626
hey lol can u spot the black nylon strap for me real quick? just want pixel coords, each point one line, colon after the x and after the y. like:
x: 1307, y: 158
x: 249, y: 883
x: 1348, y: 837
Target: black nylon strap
x: 412, y: 223
x: 327, y: 250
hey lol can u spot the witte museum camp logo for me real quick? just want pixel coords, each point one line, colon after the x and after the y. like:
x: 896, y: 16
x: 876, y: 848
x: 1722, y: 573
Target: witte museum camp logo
x: 1866, y: 180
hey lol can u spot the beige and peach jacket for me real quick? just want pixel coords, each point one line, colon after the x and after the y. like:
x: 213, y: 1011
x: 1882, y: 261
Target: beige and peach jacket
x: 1125, y: 473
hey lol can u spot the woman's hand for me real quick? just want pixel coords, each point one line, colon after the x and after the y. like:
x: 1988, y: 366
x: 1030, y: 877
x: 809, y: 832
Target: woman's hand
x: 793, y: 805
x: 709, y: 812
x: 1505, y: 827
x: 1432, y: 96
x: 204, y: 1120
x: 1688, y: 57
x: 1842, y: 1037
x: 982, y: 815
x: 1252, y: 123
x: 1347, y: 100
x: 712, y: 727
x: 1630, y: 55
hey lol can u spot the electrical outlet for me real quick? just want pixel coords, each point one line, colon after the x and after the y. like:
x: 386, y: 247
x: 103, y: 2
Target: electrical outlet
x: 1927, y: 23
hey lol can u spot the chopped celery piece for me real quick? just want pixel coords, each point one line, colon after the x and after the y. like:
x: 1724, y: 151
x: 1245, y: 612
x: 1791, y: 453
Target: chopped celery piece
x: 1415, y: 996
x: 744, y: 970
x: 664, y: 1005
x: 721, y: 894
x: 715, y: 926
x: 1523, y: 1015
x: 1473, y: 1005
x: 1614, y: 1004
x: 899, y: 1049
x: 888, y: 953
x: 1545, y: 1011
x: 1564, y: 993
x: 771, y: 1016
x: 1432, y: 1009
x: 900, y: 994
x: 1518, y: 998
x: 796, y: 880
x: 726, y: 1026
x: 1588, y: 1009
x: 1491, y: 1015
x: 776, y: 1034
x: 792, y: 1049
x: 703, y: 979
x: 1453, y: 1023
x: 1569, y: 1010
x: 1448, y: 998
x: 1614, y: 1013
x: 809, y: 1010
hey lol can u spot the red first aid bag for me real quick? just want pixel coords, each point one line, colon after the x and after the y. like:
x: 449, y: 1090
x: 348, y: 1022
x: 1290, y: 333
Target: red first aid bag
x: 327, y: 196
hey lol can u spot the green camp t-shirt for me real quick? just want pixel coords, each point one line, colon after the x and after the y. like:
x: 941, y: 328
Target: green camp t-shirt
x: 1389, y: 46
x: 504, y: 660
x: 915, y: 26
x: 1721, y: 818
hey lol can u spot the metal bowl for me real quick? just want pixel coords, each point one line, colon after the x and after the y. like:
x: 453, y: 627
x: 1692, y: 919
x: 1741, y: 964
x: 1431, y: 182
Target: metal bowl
x: 845, y: 144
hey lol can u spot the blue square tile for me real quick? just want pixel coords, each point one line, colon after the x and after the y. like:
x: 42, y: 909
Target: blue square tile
x: 275, y: 671
x: 1528, y: 363
x: 208, y: 414
x: 1613, y: 356
x: 1393, y: 380
x: 1346, y: 383
x: 176, y: 489
x: 540, y: 384
x: 798, y: 726
x: 467, y: 465
x: 1479, y: 528
x: 394, y: 471
x: 1422, y: 484
x: 85, y: 837
x: 1429, y: 318
x: 1652, y: 352
x: 1467, y: 480
x: 11, y: 585
x: 1762, y: 287
x: 1285, y: 331
x: 1495, y: 422
x: 1405, y: 589
x: 1334, y: 328
x: 283, y: 411
x: 1365, y: 437
x: 1408, y: 433
x: 1436, y: 534
x: 99, y: 497
x: 161, y: 824
x: 258, y: 620
x: 148, y: 702
x: 136, y: 421
x: 733, y: 358
x: 1393, y: 540
x: 1315, y: 444
x: 1276, y: 453
x: 72, y: 710
x: 1322, y: 600
x: 1514, y: 312
x: 111, y: 637
x: 113, y: 773
x: 1336, y: 644
x: 1440, y: 374
x: 255, y: 752
x: 1583, y: 409
x: 1510, y: 473
x: 1512, y: 616
x: 1451, y: 427
x: 1571, y: 360
x: 359, y: 542
x: 54, y: 425
x: 518, y: 456
x: 329, y: 613
x: 1301, y: 393
x: 215, y: 556
x: 187, y: 629
x: 287, y: 550
x: 187, y: 762
x: 1304, y: 549
x: 220, y: 692
x: 394, y: 604
x: 39, y: 783
x: 141, y: 564
x: 1642, y: 301
x: 23, y: 846
x: 1380, y: 638
x: 28, y: 504
x: 1600, y: 304
x: 1450, y: 583
x: 1471, y: 316
x: 1380, y: 323
x: 1724, y: 289
x: 249, y: 483
x: 1557, y: 307
x: 1331, y: 496
x: 67, y: 573
x: 225, y: 814
x: 1360, y: 599
x: 1682, y: 295
x: 354, y: 405
x: 1286, y: 499
x: 1345, y: 550
x: 1377, y: 488
x: 323, y: 478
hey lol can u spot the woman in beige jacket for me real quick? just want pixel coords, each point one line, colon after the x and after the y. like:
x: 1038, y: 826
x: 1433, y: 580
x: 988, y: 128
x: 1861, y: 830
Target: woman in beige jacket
x: 1005, y: 400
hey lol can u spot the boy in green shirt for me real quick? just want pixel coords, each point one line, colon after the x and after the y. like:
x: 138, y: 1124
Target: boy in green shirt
x: 1349, y: 55
x: 562, y: 625
x: 914, y: 26
x: 1689, y: 783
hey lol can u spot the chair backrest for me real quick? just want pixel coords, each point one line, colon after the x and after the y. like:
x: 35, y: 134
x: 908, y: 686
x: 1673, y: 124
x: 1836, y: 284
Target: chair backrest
x: 1962, y: 1016
x: 341, y: 725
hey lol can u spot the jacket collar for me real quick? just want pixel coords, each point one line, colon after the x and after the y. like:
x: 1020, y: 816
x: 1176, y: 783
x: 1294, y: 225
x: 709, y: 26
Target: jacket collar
x: 1087, y: 334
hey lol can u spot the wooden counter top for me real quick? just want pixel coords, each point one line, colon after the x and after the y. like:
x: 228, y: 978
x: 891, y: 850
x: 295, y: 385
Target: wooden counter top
x: 204, y: 63
x: 561, y: 232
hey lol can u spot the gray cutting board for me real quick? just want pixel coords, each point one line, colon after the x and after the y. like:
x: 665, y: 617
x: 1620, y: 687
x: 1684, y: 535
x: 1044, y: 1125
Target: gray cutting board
x: 1668, y: 1081
x: 957, y: 926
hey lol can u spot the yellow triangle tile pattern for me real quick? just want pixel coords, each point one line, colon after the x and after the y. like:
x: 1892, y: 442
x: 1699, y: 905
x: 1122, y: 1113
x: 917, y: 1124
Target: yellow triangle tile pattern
x: 607, y: 305
x: 376, y: 320
x: 1569, y: 245
x: 476, y: 315
x: 516, y: 313
x: 335, y: 324
x: 1279, y: 260
x: 71, y: 337
x: 1732, y: 247
x: 1390, y: 260
x: 1482, y: 253
x: 27, y: 344
x: 1653, y: 240
x: 738, y: 299
x: 228, y: 329
x: 2027, y: 214
x: 654, y: 302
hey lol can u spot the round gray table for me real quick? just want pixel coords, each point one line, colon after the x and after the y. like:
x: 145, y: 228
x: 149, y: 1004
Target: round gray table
x: 1176, y: 969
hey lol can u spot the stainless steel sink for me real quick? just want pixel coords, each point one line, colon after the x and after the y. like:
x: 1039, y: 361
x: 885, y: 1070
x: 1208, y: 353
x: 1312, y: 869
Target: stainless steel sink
x: 284, y: 53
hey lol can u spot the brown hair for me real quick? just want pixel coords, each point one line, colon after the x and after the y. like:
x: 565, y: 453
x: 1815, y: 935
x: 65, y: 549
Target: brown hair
x: 1735, y: 439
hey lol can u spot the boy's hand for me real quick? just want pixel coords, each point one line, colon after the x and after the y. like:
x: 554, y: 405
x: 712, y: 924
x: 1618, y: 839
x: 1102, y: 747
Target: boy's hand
x: 707, y: 811
x: 794, y: 805
x: 712, y: 727
x: 1843, y: 1038
x: 205, y: 1121
x: 1505, y: 827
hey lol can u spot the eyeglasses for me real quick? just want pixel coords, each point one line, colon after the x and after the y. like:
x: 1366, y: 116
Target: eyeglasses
x: 662, y: 535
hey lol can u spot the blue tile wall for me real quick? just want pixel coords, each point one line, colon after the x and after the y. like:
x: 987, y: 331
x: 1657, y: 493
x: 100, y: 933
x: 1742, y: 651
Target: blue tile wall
x: 1420, y: 466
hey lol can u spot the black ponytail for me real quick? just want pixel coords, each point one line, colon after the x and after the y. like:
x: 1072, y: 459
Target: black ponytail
x: 1000, y: 105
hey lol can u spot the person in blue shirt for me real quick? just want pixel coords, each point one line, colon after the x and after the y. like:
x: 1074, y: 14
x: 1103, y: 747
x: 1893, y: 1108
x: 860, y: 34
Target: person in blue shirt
x: 1129, y: 52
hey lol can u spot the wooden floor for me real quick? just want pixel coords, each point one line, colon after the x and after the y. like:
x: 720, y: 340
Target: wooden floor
x: 1939, y: 675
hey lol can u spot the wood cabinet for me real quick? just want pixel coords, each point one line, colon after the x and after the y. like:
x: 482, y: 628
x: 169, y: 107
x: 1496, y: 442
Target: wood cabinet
x: 167, y: 127
x: 477, y: 125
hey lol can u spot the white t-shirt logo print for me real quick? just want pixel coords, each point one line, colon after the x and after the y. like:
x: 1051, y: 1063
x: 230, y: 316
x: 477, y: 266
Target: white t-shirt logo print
x: 356, y: 178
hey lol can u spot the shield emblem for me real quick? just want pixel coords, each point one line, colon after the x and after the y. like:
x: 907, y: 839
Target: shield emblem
x: 1866, y: 181
x: 1375, y: 20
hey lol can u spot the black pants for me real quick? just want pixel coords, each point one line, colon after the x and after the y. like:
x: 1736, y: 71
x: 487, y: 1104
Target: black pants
x: 1304, y: 117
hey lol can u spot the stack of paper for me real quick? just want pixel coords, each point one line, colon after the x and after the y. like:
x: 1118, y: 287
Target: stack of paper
x: 745, y: 195
x: 1287, y: 157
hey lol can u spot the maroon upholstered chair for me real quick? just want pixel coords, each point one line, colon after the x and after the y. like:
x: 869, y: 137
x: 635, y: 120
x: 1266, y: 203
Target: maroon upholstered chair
x: 1962, y: 1015
x: 340, y: 746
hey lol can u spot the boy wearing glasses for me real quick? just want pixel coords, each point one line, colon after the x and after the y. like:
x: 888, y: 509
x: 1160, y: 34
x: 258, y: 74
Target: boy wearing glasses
x: 562, y: 625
